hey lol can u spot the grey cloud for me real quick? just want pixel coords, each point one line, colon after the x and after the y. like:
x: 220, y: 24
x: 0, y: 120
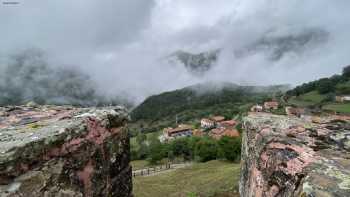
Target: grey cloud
x: 276, y: 47
x: 73, y: 25
x: 121, y: 43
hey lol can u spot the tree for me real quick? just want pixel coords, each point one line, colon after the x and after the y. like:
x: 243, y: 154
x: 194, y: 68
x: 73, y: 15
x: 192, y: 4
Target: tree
x: 330, y: 97
x: 343, y: 89
x: 229, y: 148
x: 171, y: 155
x: 133, y: 154
x: 239, y: 127
x: 141, y: 138
x: 206, y: 149
x: 143, y: 151
x: 156, y: 152
x: 181, y: 147
x: 325, y: 86
x: 346, y: 71
x: 197, y: 125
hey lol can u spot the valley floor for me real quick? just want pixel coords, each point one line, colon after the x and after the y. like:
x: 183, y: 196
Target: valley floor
x: 211, y: 179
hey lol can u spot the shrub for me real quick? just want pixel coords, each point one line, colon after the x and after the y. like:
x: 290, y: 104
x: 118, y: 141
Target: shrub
x: 330, y: 97
x: 229, y: 148
x: 206, y: 149
x: 325, y: 86
x: 156, y: 152
x: 181, y: 147
x: 343, y: 89
x: 141, y: 138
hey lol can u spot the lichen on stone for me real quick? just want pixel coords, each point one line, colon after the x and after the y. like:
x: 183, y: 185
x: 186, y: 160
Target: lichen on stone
x: 289, y: 156
x: 64, y: 152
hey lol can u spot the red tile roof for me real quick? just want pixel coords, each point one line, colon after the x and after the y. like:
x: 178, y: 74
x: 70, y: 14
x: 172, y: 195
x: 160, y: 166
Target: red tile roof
x: 230, y: 123
x: 220, y: 132
x: 218, y: 118
x: 207, y: 120
x: 231, y: 133
x: 178, y: 129
x: 271, y: 104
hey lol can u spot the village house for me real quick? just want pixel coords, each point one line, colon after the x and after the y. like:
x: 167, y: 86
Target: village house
x: 257, y: 108
x: 342, y: 98
x: 207, y: 123
x: 271, y: 105
x: 218, y: 133
x: 173, y: 133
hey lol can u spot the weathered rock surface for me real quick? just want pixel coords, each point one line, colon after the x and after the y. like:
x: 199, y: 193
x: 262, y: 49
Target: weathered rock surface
x: 288, y: 156
x: 62, y: 151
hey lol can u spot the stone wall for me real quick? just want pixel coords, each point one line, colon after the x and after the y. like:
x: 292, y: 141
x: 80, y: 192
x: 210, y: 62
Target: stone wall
x: 63, y: 151
x: 288, y: 156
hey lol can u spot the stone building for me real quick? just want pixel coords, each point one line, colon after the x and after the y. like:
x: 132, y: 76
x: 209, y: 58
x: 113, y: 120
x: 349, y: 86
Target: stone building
x: 207, y: 123
x: 210, y: 123
x: 342, y: 98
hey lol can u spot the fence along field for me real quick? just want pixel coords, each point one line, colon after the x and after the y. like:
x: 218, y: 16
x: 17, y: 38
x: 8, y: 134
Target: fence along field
x: 161, y: 168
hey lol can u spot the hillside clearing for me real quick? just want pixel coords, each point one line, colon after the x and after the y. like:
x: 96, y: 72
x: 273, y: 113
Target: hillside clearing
x: 214, y: 178
x: 313, y: 96
x: 307, y: 99
x: 338, y: 107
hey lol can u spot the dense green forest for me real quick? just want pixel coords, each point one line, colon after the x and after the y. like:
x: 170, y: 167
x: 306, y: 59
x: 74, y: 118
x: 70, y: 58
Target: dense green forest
x: 189, y: 104
x: 336, y: 84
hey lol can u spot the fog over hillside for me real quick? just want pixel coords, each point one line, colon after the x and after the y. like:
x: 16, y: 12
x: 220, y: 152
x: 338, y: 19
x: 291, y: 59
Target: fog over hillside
x: 120, y: 45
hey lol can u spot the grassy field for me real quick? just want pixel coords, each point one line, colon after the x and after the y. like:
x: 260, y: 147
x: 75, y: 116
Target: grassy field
x: 211, y: 179
x: 313, y: 96
x: 139, y: 164
x: 338, y: 107
x: 307, y: 99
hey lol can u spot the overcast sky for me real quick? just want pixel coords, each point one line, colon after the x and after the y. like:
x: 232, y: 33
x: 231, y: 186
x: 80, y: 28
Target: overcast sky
x: 121, y: 43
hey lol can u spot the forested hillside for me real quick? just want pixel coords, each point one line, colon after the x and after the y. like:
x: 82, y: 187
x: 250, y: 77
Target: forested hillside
x: 321, y: 94
x: 191, y: 103
x: 338, y: 84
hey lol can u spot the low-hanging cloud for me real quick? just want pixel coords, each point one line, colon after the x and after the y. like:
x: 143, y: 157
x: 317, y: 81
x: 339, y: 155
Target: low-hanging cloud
x: 122, y: 44
x: 29, y: 77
